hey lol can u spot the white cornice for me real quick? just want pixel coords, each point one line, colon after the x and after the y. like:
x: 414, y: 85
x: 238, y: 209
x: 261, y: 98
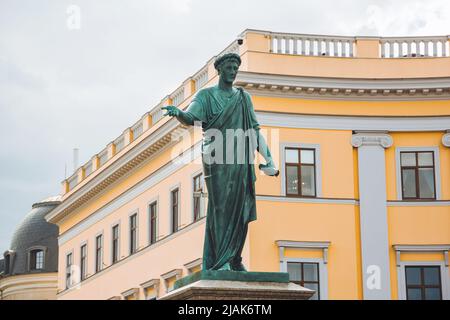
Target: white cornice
x: 344, y: 88
x: 422, y: 247
x: 173, y: 273
x: 303, y: 244
x: 150, y: 283
x: 130, y: 292
x: 357, y: 123
x: 195, y: 263
x: 371, y: 139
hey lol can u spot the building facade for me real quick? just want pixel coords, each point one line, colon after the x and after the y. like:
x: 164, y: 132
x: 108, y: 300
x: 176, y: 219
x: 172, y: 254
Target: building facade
x: 28, y: 270
x: 359, y: 127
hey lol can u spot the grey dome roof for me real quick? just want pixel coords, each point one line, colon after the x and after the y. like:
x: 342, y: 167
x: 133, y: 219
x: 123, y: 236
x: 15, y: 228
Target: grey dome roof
x: 35, y: 232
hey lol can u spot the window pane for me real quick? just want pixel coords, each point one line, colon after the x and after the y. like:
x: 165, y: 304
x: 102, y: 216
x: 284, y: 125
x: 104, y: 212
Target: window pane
x: 414, y: 294
x: 310, y: 272
x: 307, y: 156
x: 425, y: 158
x: 408, y: 159
x: 292, y: 179
x: 409, y: 183
x: 295, y: 271
x: 39, y: 260
x: 292, y: 155
x: 432, y: 294
x: 308, y: 185
x: 431, y: 276
x: 426, y: 182
x: 412, y: 276
x: 315, y: 287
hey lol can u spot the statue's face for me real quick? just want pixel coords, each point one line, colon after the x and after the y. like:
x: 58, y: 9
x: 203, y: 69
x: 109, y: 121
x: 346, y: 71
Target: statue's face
x: 228, y: 71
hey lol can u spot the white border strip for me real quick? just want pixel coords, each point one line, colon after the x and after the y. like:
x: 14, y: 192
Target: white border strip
x: 327, y: 122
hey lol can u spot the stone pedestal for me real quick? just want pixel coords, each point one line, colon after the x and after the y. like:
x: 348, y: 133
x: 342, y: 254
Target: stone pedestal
x: 235, y: 285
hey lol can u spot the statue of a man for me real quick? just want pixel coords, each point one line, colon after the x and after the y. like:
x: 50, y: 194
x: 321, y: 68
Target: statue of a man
x: 228, y: 167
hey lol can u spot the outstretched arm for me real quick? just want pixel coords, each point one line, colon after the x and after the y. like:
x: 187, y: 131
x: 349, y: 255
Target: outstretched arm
x: 184, y: 117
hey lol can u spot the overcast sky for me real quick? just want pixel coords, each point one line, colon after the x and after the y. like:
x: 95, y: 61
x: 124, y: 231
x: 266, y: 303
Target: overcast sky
x: 62, y: 88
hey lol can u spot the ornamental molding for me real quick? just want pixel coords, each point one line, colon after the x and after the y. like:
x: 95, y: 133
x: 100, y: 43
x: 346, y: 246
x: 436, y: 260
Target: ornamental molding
x: 344, y: 88
x: 372, y: 139
x: 145, y: 150
x: 446, y: 139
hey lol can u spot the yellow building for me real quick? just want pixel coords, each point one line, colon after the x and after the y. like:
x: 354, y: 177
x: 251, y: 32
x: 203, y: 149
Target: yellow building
x: 361, y: 210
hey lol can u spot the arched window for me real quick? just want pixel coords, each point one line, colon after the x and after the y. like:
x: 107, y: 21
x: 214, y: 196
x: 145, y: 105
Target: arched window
x: 37, y: 259
x: 7, y: 263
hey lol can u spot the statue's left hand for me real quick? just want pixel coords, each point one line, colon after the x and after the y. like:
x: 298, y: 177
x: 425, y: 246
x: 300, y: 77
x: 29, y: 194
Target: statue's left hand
x: 269, y: 169
x: 171, y: 111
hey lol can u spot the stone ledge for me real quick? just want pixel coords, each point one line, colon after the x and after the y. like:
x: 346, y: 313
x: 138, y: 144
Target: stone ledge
x: 281, y: 277
x: 239, y: 290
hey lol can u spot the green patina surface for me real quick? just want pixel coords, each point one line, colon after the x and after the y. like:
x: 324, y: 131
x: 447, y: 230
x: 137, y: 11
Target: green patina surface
x: 244, y: 276
x: 228, y: 165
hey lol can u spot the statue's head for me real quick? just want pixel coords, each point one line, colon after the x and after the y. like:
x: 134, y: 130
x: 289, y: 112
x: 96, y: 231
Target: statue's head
x: 227, y: 66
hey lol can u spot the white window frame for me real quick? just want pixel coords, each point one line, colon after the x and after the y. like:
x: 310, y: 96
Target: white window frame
x: 71, y: 282
x: 317, y: 164
x: 202, y: 197
x: 398, y: 171
x: 195, y: 263
x: 29, y: 250
x: 153, y: 283
x: 444, y: 267
x: 177, y: 273
x: 133, y: 292
x: 322, y: 262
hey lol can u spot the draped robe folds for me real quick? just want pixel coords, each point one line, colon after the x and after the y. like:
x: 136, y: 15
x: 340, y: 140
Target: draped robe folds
x: 231, y: 186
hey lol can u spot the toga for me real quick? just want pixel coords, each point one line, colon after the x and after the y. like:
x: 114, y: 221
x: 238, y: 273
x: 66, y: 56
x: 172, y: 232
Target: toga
x: 230, y: 186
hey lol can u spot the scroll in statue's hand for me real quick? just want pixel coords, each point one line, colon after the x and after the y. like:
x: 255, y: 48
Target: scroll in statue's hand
x: 269, y: 169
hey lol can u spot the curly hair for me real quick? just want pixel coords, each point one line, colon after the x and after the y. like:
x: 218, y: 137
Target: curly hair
x: 228, y: 56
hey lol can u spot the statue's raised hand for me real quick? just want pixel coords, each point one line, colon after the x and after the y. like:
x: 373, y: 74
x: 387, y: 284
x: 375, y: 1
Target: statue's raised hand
x: 171, y: 111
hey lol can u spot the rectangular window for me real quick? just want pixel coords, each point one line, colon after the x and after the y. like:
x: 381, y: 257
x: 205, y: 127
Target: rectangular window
x: 300, y: 169
x: 83, y: 264
x: 417, y: 174
x: 305, y: 274
x: 423, y: 283
x: 115, y: 243
x: 69, y: 262
x: 197, y: 197
x: 153, y: 221
x: 98, y: 253
x: 39, y: 260
x: 133, y: 233
x: 174, y: 210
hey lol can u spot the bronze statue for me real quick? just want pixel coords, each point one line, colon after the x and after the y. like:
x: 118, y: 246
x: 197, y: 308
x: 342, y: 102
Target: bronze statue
x: 226, y: 113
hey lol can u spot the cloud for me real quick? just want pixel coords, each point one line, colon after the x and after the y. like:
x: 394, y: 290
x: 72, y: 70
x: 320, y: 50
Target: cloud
x: 61, y: 88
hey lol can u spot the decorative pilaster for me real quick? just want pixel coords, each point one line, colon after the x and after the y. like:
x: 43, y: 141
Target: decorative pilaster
x: 146, y: 121
x: 111, y: 150
x: 373, y: 213
x: 127, y: 136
